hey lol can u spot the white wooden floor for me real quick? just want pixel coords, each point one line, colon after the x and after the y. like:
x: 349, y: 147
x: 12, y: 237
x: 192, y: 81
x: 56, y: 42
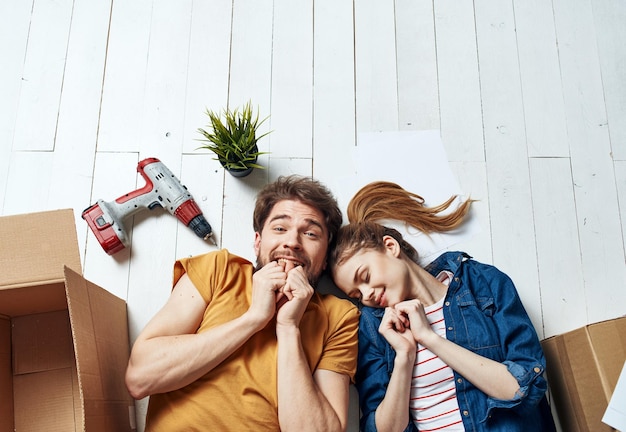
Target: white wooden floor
x: 529, y: 96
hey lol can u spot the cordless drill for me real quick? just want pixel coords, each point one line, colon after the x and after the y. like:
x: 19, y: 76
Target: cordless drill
x: 162, y: 189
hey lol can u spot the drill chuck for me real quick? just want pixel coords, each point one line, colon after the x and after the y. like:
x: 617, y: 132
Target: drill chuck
x: 190, y: 214
x: 201, y: 227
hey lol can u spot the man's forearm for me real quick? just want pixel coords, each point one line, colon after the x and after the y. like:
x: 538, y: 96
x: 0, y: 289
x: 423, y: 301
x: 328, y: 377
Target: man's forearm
x: 167, y: 363
x: 301, y: 404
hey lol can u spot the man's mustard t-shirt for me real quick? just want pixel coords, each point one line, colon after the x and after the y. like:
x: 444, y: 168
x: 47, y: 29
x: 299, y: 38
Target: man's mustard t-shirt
x: 241, y: 393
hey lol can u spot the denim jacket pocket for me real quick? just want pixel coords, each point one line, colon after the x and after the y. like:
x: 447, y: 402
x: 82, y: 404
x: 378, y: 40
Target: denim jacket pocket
x: 478, y: 327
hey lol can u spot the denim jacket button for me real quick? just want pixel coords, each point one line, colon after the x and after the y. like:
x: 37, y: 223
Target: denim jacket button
x: 465, y: 413
x: 537, y: 370
x: 459, y: 380
x: 447, y: 303
x: 450, y: 328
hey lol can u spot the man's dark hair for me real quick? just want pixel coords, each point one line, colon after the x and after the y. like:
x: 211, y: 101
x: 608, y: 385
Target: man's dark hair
x: 304, y: 189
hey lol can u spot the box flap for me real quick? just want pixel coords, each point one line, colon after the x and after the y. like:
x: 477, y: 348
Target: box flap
x: 35, y: 247
x: 101, y: 343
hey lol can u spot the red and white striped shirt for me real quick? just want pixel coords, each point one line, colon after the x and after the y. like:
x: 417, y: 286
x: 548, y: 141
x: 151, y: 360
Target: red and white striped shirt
x: 433, y: 403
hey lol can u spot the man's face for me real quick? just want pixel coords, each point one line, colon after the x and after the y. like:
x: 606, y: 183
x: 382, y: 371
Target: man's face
x: 294, y: 232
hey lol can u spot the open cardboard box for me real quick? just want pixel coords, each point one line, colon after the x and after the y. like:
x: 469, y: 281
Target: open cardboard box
x: 64, y: 341
x: 583, y: 367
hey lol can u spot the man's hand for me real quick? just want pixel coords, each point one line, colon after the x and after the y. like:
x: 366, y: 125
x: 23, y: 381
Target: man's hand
x: 267, y: 290
x: 297, y: 292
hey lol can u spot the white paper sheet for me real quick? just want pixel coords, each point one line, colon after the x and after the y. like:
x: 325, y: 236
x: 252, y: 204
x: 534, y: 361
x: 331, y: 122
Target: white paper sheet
x: 416, y: 160
x: 615, y: 414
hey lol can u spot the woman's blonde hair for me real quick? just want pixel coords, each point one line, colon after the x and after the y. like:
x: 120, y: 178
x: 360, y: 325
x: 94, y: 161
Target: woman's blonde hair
x: 381, y: 200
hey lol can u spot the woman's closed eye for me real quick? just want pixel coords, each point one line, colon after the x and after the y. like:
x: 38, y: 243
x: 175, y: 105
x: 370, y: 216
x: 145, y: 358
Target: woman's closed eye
x: 364, y: 276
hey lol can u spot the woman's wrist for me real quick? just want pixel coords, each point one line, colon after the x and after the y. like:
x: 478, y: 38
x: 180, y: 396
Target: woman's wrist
x: 404, y: 358
x: 430, y: 340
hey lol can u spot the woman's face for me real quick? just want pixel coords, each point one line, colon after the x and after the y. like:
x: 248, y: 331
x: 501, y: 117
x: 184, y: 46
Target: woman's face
x: 378, y: 278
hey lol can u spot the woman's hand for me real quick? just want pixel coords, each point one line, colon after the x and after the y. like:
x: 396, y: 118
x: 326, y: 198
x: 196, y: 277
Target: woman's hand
x: 393, y: 411
x: 395, y: 328
x: 413, y: 312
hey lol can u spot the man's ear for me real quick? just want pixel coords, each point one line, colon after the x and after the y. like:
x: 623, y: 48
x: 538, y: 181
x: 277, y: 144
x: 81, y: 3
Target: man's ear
x: 391, y: 245
x: 257, y: 243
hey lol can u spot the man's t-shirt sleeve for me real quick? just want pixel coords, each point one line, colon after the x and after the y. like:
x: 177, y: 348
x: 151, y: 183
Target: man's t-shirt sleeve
x: 341, y: 350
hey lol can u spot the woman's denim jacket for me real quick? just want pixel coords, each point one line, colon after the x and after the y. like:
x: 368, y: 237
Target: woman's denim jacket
x: 484, y: 314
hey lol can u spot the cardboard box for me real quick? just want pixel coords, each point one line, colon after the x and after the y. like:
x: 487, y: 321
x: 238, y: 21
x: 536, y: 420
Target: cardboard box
x: 63, y: 340
x: 583, y: 367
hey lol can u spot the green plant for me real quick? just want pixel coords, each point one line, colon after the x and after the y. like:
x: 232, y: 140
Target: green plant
x: 234, y: 139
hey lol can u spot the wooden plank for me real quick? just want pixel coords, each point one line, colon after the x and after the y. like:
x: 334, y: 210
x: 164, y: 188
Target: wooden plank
x: 250, y: 78
x: 334, y: 120
x: 544, y: 112
x: 125, y: 75
x: 42, y: 77
x: 14, y: 25
x: 74, y: 153
x: 292, y: 79
x: 609, y: 18
x: 472, y: 178
x: 620, y: 181
x: 28, y: 182
x: 375, y: 66
x: 558, y: 247
x: 166, y: 76
x: 418, y: 95
x: 459, y: 81
x: 592, y: 167
x: 15, y: 22
x: 207, y: 73
x: 510, y: 203
x: 251, y: 55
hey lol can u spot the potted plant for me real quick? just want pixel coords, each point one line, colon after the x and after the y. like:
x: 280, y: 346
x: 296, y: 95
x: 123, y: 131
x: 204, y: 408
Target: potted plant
x: 233, y: 139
